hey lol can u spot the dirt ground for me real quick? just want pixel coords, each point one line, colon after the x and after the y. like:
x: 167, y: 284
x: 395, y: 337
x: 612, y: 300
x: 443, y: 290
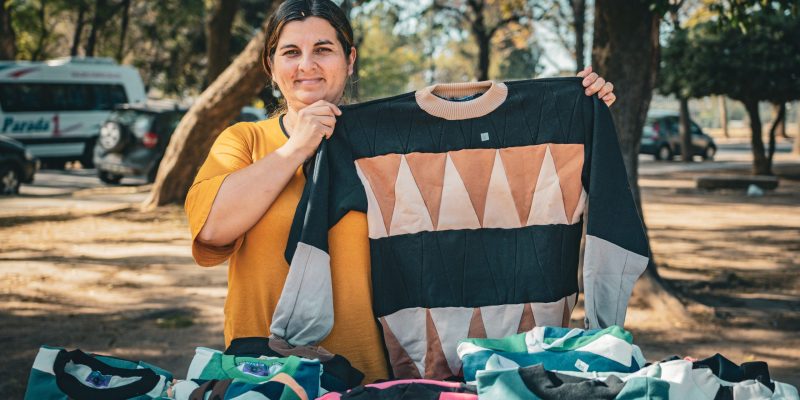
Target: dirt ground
x: 124, y: 283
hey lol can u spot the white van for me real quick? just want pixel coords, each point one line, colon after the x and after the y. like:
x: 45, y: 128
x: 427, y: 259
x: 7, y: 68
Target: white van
x: 56, y: 107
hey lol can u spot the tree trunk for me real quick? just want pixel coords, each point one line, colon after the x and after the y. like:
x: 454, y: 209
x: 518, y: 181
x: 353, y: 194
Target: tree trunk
x: 685, y: 131
x: 218, y: 37
x: 43, y: 33
x: 579, y: 25
x: 723, y: 116
x: 778, y: 121
x: 761, y: 165
x: 76, y: 37
x: 626, y: 52
x: 123, y: 31
x: 777, y: 109
x: 8, y: 38
x: 209, y: 115
x: 96, y: 22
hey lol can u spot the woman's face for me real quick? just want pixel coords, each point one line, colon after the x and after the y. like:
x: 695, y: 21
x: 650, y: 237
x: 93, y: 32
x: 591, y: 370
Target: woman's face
x: 309, y: 63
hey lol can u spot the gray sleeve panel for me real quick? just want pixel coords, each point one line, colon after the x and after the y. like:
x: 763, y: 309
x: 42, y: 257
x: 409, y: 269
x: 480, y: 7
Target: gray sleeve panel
x: 609, y: 273
x: 304, y: 314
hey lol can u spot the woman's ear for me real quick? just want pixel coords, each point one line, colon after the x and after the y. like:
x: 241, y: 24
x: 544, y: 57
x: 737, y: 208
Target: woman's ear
x: 352, y: 61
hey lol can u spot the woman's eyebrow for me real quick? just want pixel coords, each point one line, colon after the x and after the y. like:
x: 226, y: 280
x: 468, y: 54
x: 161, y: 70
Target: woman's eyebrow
x: 322, y: 41
x: 286, y: 46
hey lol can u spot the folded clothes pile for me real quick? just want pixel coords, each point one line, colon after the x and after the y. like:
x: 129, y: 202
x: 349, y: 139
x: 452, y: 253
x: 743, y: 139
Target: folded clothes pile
x: 543, y: 363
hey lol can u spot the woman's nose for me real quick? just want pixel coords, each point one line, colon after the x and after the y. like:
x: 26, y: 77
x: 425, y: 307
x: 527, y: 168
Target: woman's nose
x: 307, y: 62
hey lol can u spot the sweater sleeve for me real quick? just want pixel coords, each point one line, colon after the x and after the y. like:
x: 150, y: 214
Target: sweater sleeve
x: 616, y: 251
x: 229, y: 153
x: 304, y: 313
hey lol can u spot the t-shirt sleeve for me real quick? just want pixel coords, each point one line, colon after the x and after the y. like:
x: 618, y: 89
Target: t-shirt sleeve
x: 230, y: 152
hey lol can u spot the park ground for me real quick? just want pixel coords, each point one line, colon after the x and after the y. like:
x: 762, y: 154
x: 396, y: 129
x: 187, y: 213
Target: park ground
x: 86, y: 269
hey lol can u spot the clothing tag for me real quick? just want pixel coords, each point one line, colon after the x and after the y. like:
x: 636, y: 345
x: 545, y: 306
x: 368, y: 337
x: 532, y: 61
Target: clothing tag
x: 98, y: 380
x: 581, y: 366
x: 484, y: 136
x: 256, y: 369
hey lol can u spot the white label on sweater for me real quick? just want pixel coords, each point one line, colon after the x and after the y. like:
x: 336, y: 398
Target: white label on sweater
x: 484, y: 136
x: 581, y: 366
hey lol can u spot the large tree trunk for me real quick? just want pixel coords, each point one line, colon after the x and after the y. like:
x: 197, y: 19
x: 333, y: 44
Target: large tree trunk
x: 218, y: 37
x: 482, y: 39
x: 76, y: 37
x: 723, y: 116
x: 97, y: 21
x: 123, y: 30
x: 579, y: 25
x: 685, y: 131
x: 761, y: 164
x: 37, y: 53
x: 209, y: 115
x: 8, y: 38
x: 626, y: 52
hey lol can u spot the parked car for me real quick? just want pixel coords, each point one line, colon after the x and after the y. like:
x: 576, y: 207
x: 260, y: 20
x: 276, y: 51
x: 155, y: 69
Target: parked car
x: 17, y: 165
x: 134, y: 138
x: 662, y: 139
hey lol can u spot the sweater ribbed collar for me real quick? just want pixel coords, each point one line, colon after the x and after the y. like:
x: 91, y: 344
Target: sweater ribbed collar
x: 493, y: 95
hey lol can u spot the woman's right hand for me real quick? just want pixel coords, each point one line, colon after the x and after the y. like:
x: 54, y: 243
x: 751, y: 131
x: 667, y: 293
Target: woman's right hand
x: 313, y: 123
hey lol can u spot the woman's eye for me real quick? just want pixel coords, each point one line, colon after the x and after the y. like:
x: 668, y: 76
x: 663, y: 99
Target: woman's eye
x: 323, y: 50
x: 291, y: 53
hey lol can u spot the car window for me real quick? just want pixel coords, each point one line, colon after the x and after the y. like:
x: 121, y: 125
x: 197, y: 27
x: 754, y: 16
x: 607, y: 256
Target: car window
x: 17, y: 97
x: 136, y: 121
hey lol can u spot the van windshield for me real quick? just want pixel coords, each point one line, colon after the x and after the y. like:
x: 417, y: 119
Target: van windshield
x: 41, y: 97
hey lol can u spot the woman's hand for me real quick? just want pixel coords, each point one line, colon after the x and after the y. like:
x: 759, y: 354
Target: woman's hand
x: 311, y: 124
x: 595, y: 84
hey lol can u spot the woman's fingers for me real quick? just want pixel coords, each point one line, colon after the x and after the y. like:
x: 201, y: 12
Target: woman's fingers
x: 609, y: 99
x: 606, y: 89
x: 595, y: 87
x: 586, y: 71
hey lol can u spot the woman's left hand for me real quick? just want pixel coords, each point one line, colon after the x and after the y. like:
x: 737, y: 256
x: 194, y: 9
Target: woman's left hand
x: 595, y: 84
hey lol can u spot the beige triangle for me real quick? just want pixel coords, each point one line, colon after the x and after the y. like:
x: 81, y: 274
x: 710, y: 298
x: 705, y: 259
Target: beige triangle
x: 456, y: 211
x: 549, y: 314
x: 548, y: 205
x: 377, y: 229
x: 410, y: 213
x: 381, y: 172
x: 452, y: 326
x: 500, y: 209
x: 428, y: 172
x: 409, y: 328
x: 501, y: 321
x: 475, y: 168
x: 576, y: 216
x: 522, y: 166
x: 568, y: 159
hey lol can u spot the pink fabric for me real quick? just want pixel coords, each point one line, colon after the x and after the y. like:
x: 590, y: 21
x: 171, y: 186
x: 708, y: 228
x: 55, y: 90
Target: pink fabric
x: 388, y: 384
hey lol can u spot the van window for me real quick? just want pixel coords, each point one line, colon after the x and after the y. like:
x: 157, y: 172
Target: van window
x: 23, y: 96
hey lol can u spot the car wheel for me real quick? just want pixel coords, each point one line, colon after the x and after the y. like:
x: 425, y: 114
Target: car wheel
x: 664, y: 153
x: 112, y: 137
x: 709, y: 153
x: 108, y: 177
x: 9, y: 180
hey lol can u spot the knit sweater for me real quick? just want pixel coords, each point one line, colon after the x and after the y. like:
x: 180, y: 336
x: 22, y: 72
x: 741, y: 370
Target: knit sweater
x: 475, y: 211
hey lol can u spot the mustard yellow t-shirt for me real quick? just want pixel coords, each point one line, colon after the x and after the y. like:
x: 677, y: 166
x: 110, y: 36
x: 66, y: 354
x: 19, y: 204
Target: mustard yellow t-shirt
x: 257, y: 268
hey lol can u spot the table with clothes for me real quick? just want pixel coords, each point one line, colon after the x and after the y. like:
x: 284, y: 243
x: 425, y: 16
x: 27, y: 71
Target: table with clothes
x: 543, y: 363
x: 478, y: 197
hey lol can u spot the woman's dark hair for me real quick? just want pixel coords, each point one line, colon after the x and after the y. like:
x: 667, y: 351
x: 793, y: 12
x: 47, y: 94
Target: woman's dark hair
x: 298, y: 10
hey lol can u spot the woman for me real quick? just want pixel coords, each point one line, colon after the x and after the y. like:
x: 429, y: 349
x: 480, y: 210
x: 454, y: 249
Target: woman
x: 244, y: 197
